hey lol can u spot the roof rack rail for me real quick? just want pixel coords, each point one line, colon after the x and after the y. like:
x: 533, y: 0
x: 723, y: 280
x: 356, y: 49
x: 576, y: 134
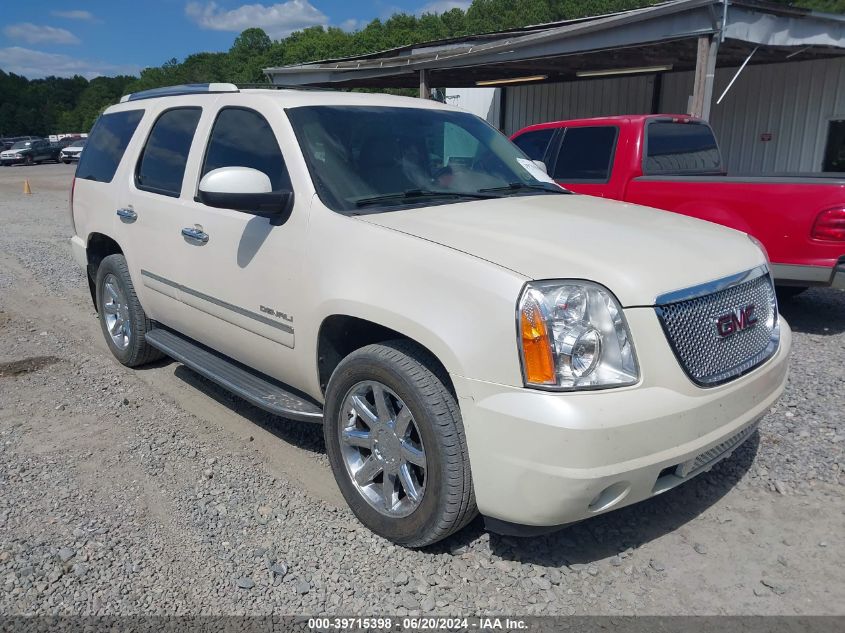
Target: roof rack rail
x: 269, y: 86
x: 184, y: 89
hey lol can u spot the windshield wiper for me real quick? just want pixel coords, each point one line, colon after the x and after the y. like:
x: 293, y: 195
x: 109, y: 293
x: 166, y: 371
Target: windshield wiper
x: 521, y: 186
x: 413, y: 194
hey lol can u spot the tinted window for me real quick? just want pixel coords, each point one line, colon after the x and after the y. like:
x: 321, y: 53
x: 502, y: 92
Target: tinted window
x: 162, y: 163
x: 534, y: 144
x: 107, y: 142
x: 586, y: 154
x: 368, y: 159
x: 680, y: 148
x: 243, y: 138
x: 834, y: 153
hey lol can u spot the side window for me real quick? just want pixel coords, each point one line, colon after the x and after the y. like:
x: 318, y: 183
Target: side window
x: 586, y: 154
x: 535, y: 143
x: 243, y: 138
x: 161, y: 166
x: 674, y: 148
x: 106, y: 145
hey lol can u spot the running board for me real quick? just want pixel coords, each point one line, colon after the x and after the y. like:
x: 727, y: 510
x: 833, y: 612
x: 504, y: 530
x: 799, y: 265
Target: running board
x: 256, y: 388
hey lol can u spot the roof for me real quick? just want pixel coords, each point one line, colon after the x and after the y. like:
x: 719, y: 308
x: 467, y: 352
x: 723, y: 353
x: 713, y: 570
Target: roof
x: 288, y: 98
x: 663, y: 34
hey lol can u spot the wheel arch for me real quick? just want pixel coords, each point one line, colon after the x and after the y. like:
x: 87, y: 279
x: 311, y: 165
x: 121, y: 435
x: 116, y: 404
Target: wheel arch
x: 99, y: 246
x: 341, y: 334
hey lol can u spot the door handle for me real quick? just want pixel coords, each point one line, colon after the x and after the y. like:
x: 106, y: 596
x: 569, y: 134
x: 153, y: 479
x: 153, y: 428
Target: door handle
x: 127, y: 215
x: 195, y: 235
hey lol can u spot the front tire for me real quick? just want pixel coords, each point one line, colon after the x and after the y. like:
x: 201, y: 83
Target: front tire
x: 396, y: 444
x: 122, y: 319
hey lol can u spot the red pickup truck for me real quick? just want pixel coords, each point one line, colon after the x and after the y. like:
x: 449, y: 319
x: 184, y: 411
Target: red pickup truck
x: 673, y: 162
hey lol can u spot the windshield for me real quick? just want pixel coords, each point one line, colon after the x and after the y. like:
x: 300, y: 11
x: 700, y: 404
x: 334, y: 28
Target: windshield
x: 375, y: 158
x: 77, y: 144
x: 21, y: 145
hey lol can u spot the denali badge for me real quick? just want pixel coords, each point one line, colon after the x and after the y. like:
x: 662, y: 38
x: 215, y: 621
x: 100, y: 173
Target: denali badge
x: 733, y: 322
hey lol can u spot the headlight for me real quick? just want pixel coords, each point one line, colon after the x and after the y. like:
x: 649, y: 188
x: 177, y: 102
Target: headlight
x: 573, y: 335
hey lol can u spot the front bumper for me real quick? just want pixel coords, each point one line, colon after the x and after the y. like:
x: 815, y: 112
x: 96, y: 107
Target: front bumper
x: 793, y: 275
x: 69, y: 157
x: 548, y: 459
x: 11, y: 160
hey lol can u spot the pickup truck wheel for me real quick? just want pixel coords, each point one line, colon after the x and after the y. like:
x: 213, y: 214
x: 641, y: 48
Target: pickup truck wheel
x: 122, y: 318
x: 395, y: 441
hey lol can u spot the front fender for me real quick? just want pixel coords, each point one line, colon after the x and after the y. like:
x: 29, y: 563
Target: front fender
x: 460, y: 307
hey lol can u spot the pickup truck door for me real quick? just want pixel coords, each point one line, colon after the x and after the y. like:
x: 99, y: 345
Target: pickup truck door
x: 583, y: 160
x: 238, y: 272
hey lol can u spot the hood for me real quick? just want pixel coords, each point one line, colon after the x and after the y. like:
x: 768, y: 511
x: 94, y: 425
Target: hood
x: 636, y: 252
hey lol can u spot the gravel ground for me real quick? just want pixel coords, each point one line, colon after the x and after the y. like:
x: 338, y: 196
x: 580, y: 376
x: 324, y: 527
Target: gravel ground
x: 154, y: 492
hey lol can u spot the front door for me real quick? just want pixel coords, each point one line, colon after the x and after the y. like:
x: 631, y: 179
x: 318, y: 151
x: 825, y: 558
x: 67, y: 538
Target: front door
x: 240, y: 270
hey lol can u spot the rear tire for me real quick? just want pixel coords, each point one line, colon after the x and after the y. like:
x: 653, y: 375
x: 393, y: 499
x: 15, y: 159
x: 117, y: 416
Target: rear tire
x: 435, y: 469
x: 122, y: 319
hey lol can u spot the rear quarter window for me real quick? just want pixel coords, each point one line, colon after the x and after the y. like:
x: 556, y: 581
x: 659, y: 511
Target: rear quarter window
x: 680, y: 148
x: 106, y: 145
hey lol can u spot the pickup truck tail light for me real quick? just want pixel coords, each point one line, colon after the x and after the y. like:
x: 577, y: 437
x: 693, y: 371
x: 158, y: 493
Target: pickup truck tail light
x: 830, y: 225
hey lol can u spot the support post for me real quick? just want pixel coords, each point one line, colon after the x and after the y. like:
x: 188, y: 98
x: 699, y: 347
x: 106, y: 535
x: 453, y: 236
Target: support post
x: 425, y: 91
x: 705, y: 73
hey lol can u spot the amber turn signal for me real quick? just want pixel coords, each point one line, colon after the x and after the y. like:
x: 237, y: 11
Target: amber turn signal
x: 536, y: 347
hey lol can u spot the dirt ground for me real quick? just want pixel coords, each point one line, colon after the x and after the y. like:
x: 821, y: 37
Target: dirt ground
x: 152, y: 491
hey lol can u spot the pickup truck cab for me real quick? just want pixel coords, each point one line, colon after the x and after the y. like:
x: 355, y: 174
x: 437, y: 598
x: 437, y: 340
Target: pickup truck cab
x: 470, y: 336
x: 29, y: 152
x: 673, y: 162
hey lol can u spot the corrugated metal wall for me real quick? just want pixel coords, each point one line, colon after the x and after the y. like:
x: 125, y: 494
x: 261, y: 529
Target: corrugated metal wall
x: 792, y: 102
x: 526, y: 105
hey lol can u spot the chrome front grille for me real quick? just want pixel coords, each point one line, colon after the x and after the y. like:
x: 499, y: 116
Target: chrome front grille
x: 716, y: 453
x: 712, y: 332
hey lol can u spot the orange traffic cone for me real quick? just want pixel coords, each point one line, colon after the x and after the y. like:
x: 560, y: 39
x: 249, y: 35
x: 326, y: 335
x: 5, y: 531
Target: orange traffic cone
x: 26, y: 188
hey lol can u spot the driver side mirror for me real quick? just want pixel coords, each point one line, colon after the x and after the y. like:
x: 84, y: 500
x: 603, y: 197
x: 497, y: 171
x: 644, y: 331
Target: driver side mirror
x: 245, y: 189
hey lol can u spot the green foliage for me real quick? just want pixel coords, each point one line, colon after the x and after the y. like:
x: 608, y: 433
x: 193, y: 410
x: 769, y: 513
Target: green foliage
x: 55, y: 105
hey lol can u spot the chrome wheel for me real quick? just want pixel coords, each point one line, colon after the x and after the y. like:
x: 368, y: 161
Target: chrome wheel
x: 382, y: 449
x: 116, y: 312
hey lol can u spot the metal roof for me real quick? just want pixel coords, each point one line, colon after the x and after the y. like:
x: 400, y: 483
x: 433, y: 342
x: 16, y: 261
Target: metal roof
x: 659, y: 34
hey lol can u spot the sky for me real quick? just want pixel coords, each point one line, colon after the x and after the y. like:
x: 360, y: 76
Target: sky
x: 110, y: 37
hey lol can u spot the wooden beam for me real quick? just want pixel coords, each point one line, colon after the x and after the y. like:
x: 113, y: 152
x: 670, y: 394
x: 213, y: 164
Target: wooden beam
x: 696, y: 102
x: 425, y: 91
x: 705, y: 72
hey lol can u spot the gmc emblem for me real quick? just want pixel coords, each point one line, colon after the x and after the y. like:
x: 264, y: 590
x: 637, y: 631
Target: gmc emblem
x: 736, y: 321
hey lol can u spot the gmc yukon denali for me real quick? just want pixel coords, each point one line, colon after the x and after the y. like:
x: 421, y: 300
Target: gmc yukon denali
x: 673, y: 162
x: 471, y: 336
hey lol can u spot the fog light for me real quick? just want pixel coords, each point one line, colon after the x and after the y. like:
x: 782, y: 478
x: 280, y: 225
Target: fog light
x: 610, y: 496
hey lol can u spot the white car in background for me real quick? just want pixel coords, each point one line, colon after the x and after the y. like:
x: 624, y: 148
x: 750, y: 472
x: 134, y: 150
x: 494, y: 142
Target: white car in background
x: 72, y: 152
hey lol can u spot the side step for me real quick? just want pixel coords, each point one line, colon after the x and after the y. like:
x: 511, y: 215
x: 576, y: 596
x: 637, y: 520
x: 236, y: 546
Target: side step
x: 256, y: 388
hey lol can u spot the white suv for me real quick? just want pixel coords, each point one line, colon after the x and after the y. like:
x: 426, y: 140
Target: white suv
x: 471, y: 336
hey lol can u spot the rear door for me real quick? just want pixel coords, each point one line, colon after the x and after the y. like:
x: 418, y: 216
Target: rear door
x: 152, y: 209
